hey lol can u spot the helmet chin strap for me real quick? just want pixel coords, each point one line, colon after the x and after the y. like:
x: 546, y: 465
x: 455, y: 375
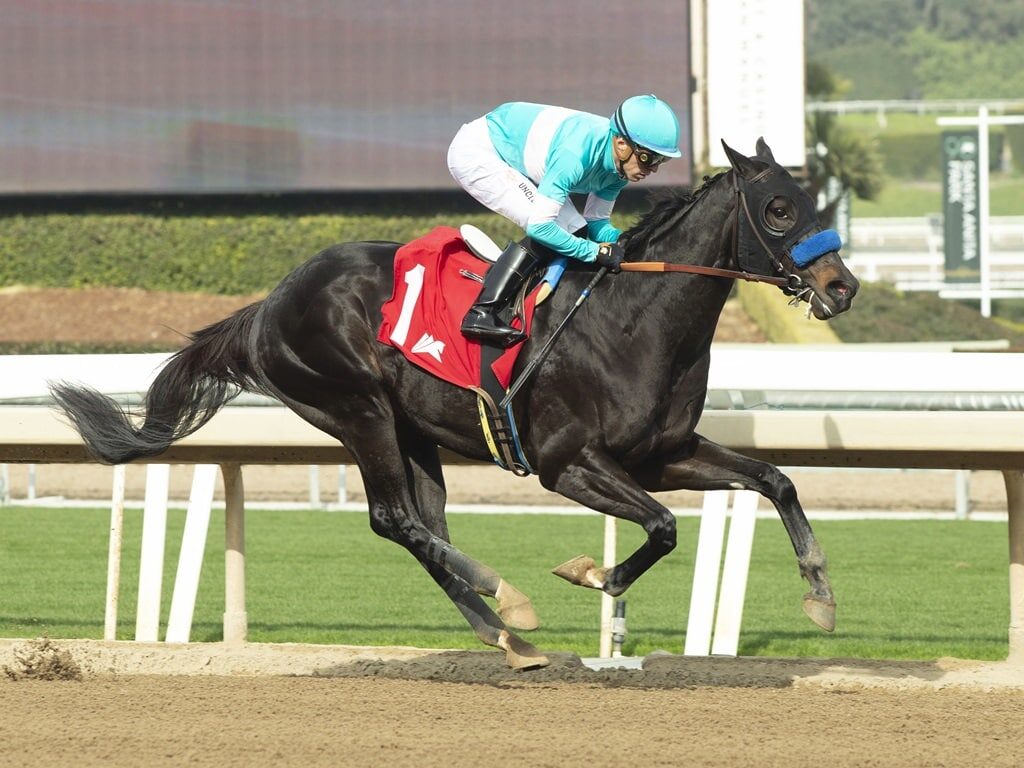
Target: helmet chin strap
x: 620, y: 124
x: 620, y: 165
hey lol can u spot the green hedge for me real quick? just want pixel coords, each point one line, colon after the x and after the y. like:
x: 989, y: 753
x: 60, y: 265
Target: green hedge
x: 209, y: 254
x: 880, y: 313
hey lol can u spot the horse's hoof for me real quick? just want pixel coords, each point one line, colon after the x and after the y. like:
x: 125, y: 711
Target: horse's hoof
x: 519, y: 654
x: 583, y: 571
x: 821, y: 612
x: 515, y: 608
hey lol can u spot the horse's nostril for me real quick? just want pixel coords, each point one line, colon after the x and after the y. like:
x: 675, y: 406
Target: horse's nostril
x: 840, y: 290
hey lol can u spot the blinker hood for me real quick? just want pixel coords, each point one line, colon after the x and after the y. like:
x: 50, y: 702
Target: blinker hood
x: 758, y: 248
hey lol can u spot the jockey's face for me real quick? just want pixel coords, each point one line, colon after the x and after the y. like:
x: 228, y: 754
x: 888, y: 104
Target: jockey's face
x: 628, y: 163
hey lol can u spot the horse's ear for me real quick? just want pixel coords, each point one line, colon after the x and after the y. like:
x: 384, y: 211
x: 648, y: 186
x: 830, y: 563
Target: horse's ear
x: 764, y: 151
x: 747, y: 167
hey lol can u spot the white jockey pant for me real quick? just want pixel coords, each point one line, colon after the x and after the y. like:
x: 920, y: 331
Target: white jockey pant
x: 476, y: 165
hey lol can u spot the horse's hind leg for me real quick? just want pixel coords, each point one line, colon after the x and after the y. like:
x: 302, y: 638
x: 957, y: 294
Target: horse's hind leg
x: 388, y: 520
x: 519, y: 654
x: 427, y: 482
x: 710, y: 466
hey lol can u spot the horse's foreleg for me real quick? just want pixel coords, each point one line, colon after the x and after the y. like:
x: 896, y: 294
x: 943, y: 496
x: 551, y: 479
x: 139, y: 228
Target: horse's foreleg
x: 367, y: 427
x: 599, y: 482
x: 709, y: 466
x: 427, y: 481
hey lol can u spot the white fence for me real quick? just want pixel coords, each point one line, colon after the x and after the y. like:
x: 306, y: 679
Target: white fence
x: 908, y: 252
x: 915, y: 106
x: 960, y: 434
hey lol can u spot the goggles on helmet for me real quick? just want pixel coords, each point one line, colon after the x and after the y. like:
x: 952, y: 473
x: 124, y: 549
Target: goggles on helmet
x: 648, y: 159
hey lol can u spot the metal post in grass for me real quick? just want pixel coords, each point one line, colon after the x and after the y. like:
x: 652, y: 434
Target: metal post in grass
x: 618, y: 628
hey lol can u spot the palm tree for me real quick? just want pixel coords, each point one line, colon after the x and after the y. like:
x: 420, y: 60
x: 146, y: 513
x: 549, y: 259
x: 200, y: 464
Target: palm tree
x: 835, y: 152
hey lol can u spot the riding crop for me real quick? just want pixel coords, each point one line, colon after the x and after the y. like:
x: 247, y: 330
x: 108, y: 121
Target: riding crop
x: 546, y: 349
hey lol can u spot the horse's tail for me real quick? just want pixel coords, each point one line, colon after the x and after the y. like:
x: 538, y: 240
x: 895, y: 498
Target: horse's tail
x: 187, y: 392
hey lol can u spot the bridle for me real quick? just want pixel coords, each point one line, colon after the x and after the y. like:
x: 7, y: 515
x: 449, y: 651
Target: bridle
x: 790, y: 283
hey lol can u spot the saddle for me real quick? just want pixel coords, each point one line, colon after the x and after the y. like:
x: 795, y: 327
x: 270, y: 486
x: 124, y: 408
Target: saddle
x: 436, y: 280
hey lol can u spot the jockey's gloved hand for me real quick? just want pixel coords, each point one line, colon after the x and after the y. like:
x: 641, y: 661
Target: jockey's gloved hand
x: 610, y: 255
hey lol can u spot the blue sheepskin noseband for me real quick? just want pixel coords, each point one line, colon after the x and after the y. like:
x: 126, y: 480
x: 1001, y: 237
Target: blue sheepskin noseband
x: 815, y: 246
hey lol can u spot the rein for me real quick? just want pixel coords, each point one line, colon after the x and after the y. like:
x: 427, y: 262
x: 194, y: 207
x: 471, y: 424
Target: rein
x: 664, y: 266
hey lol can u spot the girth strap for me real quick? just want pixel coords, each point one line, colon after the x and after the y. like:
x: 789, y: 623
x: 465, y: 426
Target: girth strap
x: 496, y: 419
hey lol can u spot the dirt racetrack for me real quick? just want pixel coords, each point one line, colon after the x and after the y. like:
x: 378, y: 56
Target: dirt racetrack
x: 215, y: 705
x: 402, y: 707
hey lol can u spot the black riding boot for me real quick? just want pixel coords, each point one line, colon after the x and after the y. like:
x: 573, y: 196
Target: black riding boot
x: 501, y: 283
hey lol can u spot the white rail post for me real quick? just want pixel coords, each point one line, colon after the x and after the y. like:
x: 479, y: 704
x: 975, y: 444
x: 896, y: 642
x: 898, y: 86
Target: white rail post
x: 734, y: 574
x: 236, y: 620
x: 190, y: 562
x: 704, y: 591
x: 151, y: 559
x: 962, y: 481
x: 114, y: 554
x: 5, y: 484
x: 1014, y: 480
x: 314, y: 486
x: 607, y: 601
x: 984, y: 258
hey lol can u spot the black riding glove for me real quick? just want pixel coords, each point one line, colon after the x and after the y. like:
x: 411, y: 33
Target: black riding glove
x: 610, y: 255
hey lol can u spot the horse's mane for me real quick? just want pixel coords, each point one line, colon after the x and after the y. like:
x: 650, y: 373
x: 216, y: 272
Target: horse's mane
x: 666, y: 204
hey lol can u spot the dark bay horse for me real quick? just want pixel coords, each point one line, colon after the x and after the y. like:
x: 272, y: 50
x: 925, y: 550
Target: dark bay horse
x: 609, y: 417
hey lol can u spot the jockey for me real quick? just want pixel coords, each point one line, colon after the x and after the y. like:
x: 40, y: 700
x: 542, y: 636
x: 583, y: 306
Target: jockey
x: 523, y: 160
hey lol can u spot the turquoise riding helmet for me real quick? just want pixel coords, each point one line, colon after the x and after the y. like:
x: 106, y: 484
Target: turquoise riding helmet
x: 647, y: 121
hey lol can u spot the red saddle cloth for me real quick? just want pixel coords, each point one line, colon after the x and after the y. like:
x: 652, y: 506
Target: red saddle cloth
x: 430, y: 300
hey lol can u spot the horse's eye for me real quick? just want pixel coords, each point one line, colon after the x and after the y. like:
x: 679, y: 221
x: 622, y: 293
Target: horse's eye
x: 779, y: 215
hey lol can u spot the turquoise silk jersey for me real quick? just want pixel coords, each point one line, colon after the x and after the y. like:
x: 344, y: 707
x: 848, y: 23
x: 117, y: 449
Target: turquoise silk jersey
x: 561, y: 151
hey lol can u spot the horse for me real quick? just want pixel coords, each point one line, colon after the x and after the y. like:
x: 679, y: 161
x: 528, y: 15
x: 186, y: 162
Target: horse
x: 607, y: 419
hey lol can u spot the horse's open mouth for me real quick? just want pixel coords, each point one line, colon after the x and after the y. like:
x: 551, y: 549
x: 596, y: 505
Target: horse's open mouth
x: 836, y: 299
